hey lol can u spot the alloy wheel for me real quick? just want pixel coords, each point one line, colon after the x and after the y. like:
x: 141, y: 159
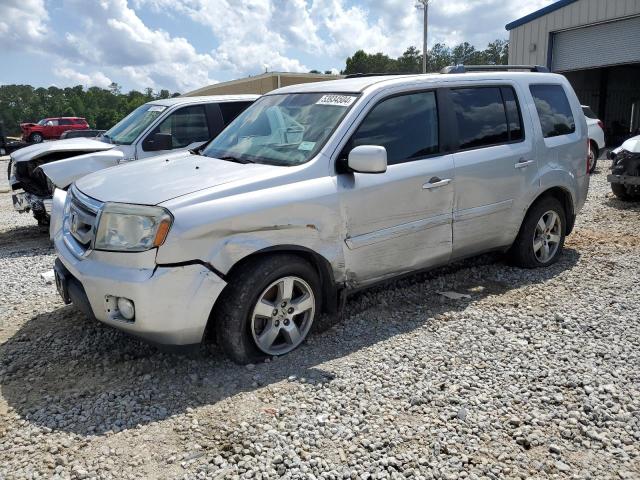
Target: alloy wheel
x: 547, y: 236
x: 283, y: 315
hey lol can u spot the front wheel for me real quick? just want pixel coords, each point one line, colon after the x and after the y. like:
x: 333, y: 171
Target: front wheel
x: 541, y: 237
x: 36, y: 138
x: 268, y: 308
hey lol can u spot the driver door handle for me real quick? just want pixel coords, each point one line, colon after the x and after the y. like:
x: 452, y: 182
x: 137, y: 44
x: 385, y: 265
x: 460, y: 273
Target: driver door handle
x: 522, y: 163
x: 436, y: 182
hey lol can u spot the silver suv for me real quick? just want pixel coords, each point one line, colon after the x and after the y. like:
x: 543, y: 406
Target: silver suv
x: 317, y: 189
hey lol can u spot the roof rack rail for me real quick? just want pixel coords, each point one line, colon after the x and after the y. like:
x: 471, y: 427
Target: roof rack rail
x: 493, y: 68
x: 359, y: 75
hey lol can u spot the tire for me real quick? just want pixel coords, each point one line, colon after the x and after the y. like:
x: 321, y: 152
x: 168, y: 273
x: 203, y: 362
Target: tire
x: 36, y: 137
x: 240, y: 330
x: 623, y: 193
x: 593, y: 159
x: 523, y: 252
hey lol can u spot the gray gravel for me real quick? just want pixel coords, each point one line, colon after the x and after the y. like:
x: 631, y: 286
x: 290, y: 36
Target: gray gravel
x: 536, y: 375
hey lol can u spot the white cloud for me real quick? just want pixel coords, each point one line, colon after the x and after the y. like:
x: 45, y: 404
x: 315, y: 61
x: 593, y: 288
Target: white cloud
x: 23, y: 24
x: 71, y: 77
x: 113, y: 35
x: 111, y: 41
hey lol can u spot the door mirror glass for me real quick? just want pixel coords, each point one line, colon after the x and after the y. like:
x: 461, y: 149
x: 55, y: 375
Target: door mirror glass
x: 161, y: 141
x: 368, y: 159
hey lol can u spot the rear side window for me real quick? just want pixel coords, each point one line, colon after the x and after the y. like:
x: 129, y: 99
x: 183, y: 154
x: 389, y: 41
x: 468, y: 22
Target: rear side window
x: 230, y: 110
x: 554, y: 110
x: 406, y: 125
x: 513, y: 114
x: 481, y: 116
x: 65, y: 121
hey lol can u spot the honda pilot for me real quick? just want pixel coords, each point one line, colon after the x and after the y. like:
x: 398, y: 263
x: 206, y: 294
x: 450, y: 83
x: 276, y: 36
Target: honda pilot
x: 319, y: 189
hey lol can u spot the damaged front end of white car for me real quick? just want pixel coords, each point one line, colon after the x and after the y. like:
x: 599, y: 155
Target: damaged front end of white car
x: 32, y: 187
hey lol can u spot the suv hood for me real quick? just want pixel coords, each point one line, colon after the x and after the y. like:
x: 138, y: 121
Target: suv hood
x: 71, y: 145
x: 159, y: 179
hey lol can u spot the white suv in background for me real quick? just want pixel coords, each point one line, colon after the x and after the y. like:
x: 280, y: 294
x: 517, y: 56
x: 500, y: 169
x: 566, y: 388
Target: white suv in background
x: 318, y: 189
x: 157, y: 127
x: 596, y: 136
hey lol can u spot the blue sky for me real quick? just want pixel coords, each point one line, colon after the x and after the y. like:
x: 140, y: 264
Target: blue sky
x: 181, y: 45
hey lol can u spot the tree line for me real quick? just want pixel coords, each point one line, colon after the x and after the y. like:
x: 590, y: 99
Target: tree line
x: 102, y: 107
x: 438, y: 57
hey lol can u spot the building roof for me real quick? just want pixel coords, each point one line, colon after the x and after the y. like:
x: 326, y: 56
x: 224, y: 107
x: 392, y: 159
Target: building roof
x: 539, y: 13
x: 319, y: 76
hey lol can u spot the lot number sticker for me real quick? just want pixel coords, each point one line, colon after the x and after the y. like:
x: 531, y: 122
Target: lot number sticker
x: 336, y: 100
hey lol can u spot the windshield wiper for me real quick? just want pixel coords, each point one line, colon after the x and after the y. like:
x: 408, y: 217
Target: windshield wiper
x: 230, y: 158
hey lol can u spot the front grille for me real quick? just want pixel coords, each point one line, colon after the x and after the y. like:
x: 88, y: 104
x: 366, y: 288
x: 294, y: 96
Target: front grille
x: 82, y: 220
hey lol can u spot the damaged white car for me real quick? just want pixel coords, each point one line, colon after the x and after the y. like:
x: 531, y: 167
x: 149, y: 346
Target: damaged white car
x: 157, y: 127
x: 318, y: 189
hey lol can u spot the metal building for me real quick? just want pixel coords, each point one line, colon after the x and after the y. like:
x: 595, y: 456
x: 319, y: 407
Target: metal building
x: 596, y: 44
x: 261, y: 84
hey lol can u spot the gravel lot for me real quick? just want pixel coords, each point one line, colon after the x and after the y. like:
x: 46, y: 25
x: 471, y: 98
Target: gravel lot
x: 537, y: 375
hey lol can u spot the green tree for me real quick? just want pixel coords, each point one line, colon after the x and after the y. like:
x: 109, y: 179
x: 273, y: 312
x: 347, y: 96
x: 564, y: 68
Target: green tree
x: 101, y: 107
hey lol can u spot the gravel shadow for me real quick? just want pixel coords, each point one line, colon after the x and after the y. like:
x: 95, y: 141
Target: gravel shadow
x: 22, y: 241
x: 64, y: 372
x: 614, y: 202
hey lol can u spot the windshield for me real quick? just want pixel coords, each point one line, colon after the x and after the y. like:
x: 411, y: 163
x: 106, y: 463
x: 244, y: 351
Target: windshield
x: 127, y: 130
x: 282, y: 129
x: 42, y: 122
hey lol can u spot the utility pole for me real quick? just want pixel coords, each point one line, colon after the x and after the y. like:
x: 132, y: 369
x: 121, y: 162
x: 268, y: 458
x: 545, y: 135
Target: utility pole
x: 424, y: 6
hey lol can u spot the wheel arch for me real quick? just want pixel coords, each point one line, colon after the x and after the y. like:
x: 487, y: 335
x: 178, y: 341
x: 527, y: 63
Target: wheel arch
x: 317, y: 261
x: 564, y: 196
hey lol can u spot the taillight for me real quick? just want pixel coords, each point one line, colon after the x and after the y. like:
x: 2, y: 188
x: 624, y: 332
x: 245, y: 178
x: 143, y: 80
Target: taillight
x: 601, y: 125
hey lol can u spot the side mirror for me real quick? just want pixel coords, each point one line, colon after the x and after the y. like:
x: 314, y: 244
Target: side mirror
x: 368, y: 159
x: 160, y: 141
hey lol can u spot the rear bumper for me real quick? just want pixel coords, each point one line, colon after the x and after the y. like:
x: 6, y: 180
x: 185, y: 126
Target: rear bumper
x: 172, y: 304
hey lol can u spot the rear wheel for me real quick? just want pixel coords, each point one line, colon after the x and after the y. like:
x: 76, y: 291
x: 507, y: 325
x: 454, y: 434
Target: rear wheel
x: 36, y: 137
x: 541, y: 237
x: 594, y: 153
x: 624, y: 193
x: 268, y: 308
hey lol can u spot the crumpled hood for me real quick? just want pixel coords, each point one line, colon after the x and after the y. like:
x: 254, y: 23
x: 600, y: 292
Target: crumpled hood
x: 158, y: 179
x: 71, y: 145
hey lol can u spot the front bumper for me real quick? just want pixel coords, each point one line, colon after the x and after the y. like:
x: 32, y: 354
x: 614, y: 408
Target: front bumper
x: 624, y: 179
x: 24, y: 202
x: 172, y: 304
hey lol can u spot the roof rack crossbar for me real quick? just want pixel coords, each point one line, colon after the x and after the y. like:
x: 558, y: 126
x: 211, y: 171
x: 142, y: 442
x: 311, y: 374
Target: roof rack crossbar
x: 492, y: 68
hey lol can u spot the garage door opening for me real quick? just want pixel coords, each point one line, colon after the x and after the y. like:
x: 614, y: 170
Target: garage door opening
x: 613, y: 93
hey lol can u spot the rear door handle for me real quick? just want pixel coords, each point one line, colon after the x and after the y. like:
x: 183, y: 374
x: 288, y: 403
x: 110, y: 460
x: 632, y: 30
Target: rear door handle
x: 522, y: 163
x: 436, y: 182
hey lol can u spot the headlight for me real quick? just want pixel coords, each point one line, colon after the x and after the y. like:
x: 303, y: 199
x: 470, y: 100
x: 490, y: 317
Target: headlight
x: 132, y: 228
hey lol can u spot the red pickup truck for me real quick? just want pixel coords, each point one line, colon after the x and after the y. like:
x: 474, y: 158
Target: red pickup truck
x: 51, y: 128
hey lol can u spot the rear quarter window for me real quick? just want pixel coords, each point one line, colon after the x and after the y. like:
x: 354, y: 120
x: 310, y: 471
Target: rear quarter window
x: 554, y: 110
x: 486, y: 116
